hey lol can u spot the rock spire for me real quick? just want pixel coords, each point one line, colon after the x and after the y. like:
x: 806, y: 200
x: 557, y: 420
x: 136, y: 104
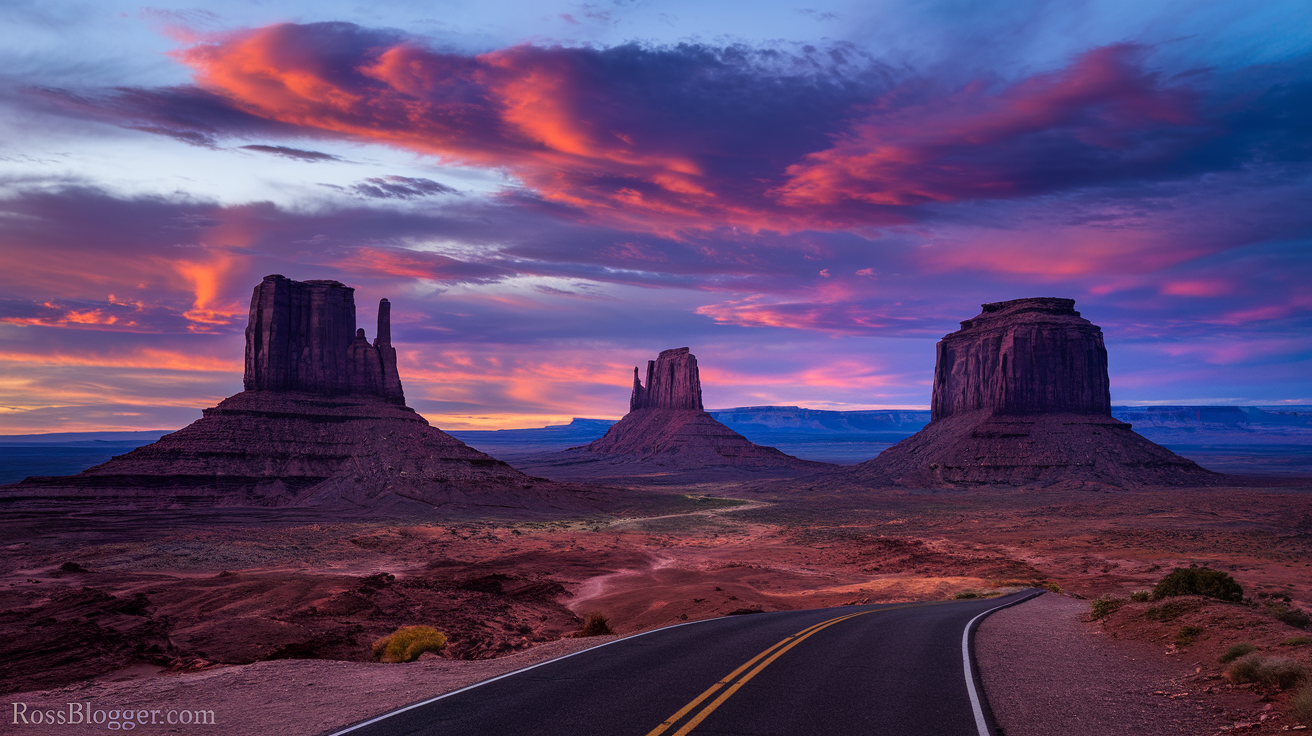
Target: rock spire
x: 672, y: 383
x: 301, y: 336
x: 668, y: 432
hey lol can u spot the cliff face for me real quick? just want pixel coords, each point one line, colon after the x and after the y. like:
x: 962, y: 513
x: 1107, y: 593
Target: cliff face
x: 1023, y: 356
x: 1021, y: 397
x: 672, y: 383
x: 301, y: 336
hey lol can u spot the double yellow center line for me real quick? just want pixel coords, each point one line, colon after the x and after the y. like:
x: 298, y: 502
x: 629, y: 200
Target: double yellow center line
x: 731, y: 682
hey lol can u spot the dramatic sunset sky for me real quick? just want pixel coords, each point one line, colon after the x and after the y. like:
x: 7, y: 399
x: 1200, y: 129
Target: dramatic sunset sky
x: 807, y: 194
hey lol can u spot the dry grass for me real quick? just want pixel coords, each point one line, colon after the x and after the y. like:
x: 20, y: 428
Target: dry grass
x: 1300, y: 706
x: 1278, y: 672
x: 595, y: 625
x: 407, y: 643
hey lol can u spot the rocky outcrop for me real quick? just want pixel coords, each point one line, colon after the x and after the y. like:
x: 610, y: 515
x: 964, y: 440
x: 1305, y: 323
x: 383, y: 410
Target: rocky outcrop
x: 1021, y: 397
x: 1021, y: 357
x: 667, y: 431
x: 672, y: 383
x: 322, y: 422
x: 301, y: 336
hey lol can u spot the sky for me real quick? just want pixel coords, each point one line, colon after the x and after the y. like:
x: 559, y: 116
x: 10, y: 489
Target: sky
x: 809, y: 195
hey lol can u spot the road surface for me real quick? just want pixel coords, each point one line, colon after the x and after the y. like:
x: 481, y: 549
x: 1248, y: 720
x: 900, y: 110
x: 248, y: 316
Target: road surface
x: 895, y: 669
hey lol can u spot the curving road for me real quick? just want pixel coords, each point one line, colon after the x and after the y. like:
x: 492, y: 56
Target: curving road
x: 896, y: 669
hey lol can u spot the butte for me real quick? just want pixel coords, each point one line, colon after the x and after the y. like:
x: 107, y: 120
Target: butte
x: 667, y: 436
x: 322, y: 422
x: 1022, y: 398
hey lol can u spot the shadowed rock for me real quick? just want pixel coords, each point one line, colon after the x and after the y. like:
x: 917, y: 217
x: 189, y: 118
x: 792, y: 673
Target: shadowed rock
x: 1021, y: 397
x: 322, y: 422
x: 1020, y: 357
x: 667, y: 431
x: 301, y: 336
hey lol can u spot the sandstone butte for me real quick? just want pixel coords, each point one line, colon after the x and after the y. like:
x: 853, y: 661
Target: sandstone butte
x: 1022, y: 397
x: 322, y: 422
x: 667, y: 425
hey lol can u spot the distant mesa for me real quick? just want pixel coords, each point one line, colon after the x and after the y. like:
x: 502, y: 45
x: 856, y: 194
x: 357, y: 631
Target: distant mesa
x: 668, y: 430
x: 322, y: 422
x: 1022, y: 397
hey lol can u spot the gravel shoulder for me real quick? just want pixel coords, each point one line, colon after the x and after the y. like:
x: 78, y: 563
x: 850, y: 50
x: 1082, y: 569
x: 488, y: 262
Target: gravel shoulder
x: 1048, y: 671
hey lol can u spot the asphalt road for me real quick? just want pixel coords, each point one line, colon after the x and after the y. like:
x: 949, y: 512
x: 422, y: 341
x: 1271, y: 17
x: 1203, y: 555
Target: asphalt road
x: 893, y: 669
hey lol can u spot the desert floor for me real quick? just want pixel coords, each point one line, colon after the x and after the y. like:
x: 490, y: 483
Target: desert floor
x: 236, y: 609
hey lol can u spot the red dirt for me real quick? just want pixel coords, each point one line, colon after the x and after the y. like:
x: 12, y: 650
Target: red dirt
x: 504, y: 586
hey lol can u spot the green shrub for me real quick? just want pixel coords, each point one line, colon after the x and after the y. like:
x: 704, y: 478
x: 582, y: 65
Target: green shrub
x: 1235, y: 652
x: 1297, y: 641
x: 1102, y: 607
x: 407, y: 643
x: 1187, y: 635
x: 595, y: 625
x: 1300, y: 706
x: 1141, y: 596
x: 965, y: 595
x: 1199, y: 581
x: 1274, y: 671
x: 1055, y: 588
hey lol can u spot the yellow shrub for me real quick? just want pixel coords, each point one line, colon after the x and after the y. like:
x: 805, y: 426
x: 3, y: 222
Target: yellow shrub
x: 407, y: 643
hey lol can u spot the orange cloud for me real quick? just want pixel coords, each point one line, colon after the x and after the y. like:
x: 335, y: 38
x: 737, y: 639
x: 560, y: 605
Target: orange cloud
x: 648, y: 139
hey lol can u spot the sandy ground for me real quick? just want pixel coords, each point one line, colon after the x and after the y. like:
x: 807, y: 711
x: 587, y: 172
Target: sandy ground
x: 236, y: 613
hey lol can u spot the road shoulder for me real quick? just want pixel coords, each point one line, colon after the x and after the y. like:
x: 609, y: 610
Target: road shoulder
x: 1048, y: 671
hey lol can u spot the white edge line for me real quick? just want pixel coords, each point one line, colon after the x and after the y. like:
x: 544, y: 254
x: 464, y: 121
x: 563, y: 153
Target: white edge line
x: 980, y: 723
x: 422, y: 703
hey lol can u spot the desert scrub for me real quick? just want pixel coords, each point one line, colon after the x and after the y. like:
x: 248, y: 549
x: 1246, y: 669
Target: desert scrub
x: 1187, y: 635
x: 1300, y: 706
x: 1289, y: 615
x: 595, y: 625
x: 407, y: 643
x: 1235, y: 652
x: 1102, y: 607
x: 1168, y: 611
x: 1296, y: 641
x: 1141, y: 596
x: 1055, y: 588
x: 1202, y: 581
x: 965, y: 595
x: 1278, y: 672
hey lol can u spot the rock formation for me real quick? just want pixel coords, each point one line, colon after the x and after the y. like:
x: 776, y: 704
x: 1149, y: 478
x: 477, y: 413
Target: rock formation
x: 667, y: 428
x: 301, y: 336
x: 672, y: 383
x: 322, y: 421
x: 1021, y: 397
